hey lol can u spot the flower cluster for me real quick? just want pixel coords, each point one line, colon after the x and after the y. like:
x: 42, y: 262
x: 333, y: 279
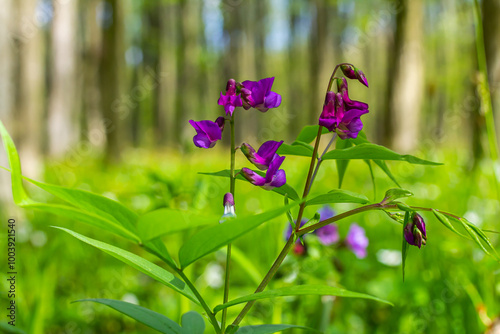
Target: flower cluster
x: 414, y: 231
x: 249, y: 94
x: 328, y: 235
x: 341, y: 114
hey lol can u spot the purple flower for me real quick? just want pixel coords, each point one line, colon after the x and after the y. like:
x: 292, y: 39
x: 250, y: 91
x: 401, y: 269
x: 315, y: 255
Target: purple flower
x: 354, y: 73
x: 207, y: 132
x: 258, y: 95
x: 357, y: 241
x: 264, y: 156
x: 342, y: 117
x: 414, y: 231
x: 228, y: 208
x: 274, y: 178
x: 230, y: 100
x: 328, y: 234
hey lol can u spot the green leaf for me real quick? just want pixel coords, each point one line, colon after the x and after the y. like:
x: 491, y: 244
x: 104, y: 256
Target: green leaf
x: 309, y: 133
x: 213, y: 238
x: 165, y: 221
x: 269, y: 329
x: 192, y: 323
x: 157, y: 247
x: 372, y: 176
x: 477, y: 235
x: 141, y: 314
x: 342, y: 164
x: 298, y: 290
x: 373, y: 151
x: 396, y: 193
x: 445, y: 221
x: 89, y: 209
x: 404, y: 248
x: 298, y: 150
x: 382, y: 164
x: 403, y: 207
x: 139, y: 263
x: 338, y: 196
x: 285, y: 189
x: 6, y: 328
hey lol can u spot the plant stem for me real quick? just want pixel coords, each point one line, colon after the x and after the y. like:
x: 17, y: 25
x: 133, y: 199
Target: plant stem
x: 320, y: 160
x: 207, y: 309
x: 376, y: 206
x: 267, y: 278
x: 228, y: 255
x: 485, y: 96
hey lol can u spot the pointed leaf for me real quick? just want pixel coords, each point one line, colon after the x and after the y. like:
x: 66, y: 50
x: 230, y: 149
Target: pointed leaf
x: 139, y: 263
x: 285, y: 189
x: 141, y: 314
x: 192, y: 323
x: 383, y: 165
x: 342, y: 164
x: 338, y: 196
x: 444, y: 220
x: 157, y: 247
x: 298, y: 150
x: 373, y: 151
x: 477, y: 235
x: 213, y: 238
x: 372, y: 176
x: 269, y: 329
x: 396, y: 193
x: 298, y: 290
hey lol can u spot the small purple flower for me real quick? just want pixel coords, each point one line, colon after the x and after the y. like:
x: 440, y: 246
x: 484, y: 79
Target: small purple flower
x: 264, y: 156
x: 274, y: 178
x: 258, y: 95
x: 357, y: 241
x: 354, y: 73
x: 414, y: 231
x: 207, y: 132
x: 230, y: 101
x: 340, y: 117
x: 228, y: 208
x: 328, y: 234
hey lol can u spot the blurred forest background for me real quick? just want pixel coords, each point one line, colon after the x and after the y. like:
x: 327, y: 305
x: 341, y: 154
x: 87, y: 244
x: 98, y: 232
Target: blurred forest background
x: 90, y: 77
x: 98, y: 94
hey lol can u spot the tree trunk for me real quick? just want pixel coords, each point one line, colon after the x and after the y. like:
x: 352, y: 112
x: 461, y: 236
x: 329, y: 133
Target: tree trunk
x: 405, y: 79
x: 491, y: 30
x: 110, y: 67
x: 63, y: 109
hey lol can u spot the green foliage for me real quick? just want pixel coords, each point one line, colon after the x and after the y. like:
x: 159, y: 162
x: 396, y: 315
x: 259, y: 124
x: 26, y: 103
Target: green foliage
x: 143, y: 315
x: 393, y: 194
x: 338, y: 196
x: 375, y: 152
x: 299, y: 290
x: 269, y: 329
x: 212, y: 238
x: 139, y: 263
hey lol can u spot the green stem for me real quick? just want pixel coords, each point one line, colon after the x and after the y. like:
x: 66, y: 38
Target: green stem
x: 207, y: 309
x: 228, y: 256
x: 484, y: 93
x: 197, y: 294
x: 320, y: 160
x: 267, y: 279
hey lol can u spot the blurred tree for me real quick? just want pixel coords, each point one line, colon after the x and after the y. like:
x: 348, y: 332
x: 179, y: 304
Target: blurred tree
x: 31, y: 86
x: 405, y: 79
x: 491, y: 29
x: 110, y: 69
x: 62, y: 123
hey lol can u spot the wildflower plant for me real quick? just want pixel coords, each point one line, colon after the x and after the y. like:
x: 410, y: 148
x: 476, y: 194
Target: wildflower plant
x: 340, y: 119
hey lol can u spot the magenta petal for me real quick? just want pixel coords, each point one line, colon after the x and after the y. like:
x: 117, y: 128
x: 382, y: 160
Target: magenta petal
x: 330, y: 124
x: 352, y: 114
x: 273, y: 100
x: 202, y: 141
x: 278, y: 180
x: 273, y: 168
x: 207, y: 133
x: 253, y: 177
x: 268, y: 149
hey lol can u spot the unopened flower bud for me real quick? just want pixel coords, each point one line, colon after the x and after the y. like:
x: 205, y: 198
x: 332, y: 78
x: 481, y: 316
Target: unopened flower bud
x: 361, y: 77
x: 228, y: 208
x: 348, y: 71
x: 414, y: 231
